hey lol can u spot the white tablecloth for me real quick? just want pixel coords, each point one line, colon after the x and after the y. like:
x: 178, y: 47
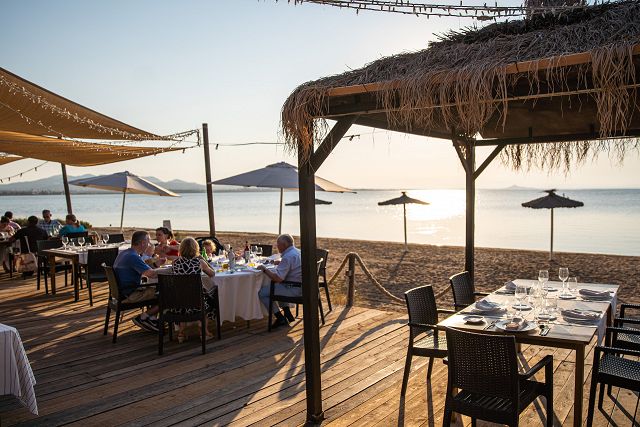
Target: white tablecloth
x: 238, y: 294
x: 17, y: 376
x: 83, y: 253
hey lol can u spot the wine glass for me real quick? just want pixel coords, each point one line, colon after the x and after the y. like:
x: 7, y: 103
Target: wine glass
x: 105, y: 238
x: 81, y: 241
x: 520, y: 294
x: 65, y: 241
x: 572, y: 284
x: 259, y: 251
x: 563, y: 274
x: 543, y: 277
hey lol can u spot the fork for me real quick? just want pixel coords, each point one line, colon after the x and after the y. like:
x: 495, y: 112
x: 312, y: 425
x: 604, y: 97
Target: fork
x: 490, y: 325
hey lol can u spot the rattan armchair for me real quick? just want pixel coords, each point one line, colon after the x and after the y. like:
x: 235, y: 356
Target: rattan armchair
x: 464, y: 293
x: 44, y: 268
x: 424, y: 337
x: 94, y: 270
x: 484, y: 381
x: 630, y: 341
x: 180, y: 299
x: 612, y: 368
x: 267, y: 250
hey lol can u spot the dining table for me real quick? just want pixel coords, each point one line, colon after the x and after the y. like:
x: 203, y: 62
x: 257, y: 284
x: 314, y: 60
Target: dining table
x: 562, y: 332
x: 77, y: 256
x: 15, y: 370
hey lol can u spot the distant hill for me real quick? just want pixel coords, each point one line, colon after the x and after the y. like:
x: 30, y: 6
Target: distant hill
x: 53, y: 185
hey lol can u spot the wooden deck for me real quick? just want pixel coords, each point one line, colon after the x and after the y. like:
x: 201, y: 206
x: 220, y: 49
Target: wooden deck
x: 249, y: 377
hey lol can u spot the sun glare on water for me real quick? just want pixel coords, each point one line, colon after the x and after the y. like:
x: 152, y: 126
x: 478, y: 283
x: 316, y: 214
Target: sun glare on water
x: 443, y: 205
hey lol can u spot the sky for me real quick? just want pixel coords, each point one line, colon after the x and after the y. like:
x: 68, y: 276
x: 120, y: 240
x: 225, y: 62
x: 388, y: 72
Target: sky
x: 168, y: 66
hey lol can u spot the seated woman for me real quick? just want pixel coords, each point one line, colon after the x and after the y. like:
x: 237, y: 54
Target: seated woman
x: 189, y: 262
x: 5, y: 227
x: 72, y: 226
x: 209, y: 249
x: 167, y: 246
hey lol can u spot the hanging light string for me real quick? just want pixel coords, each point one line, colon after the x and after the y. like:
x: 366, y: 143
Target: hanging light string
x: 484, y: 12
x: 19, y: 174
x: 350, y: 137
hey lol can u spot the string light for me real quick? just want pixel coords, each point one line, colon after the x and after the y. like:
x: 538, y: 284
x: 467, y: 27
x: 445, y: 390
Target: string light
x: 480, y: 13
x: 19, y: 174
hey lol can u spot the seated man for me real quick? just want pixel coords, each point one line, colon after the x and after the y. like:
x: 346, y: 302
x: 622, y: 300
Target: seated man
x: 288, y: 270
x: 28, y: 238
x: 129, y: 269
x: 49, y: 225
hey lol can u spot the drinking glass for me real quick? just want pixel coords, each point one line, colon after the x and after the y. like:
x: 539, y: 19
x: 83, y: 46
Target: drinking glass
x: 543, y: 277
x: 105, y: 238
x: 572, y: 284
x: 563, y: 274
x: 520, y: 294
x: 65, y: 241
x: 551, y: 304
x: 81, y: 241
x: 259, y: 251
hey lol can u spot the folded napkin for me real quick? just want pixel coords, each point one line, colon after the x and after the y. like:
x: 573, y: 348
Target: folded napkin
x: 590, y: 293
x: 510, y: 286
x: 484, y: 305
x: 580, y: 315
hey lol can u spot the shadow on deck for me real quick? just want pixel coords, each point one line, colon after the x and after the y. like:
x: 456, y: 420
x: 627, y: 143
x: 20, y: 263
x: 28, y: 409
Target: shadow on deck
x: 249, y: 377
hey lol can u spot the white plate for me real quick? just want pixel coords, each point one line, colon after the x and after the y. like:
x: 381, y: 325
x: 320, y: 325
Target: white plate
x: 566, y: 296
x: 473, y: 320
x: 528, y: 326
x: 523, y: 307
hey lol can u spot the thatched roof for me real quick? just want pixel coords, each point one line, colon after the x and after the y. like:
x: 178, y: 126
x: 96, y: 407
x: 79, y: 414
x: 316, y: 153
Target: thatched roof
x: 497, y: 82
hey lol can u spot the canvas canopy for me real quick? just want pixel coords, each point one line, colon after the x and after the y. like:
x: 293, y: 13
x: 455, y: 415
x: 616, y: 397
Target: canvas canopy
x: 71, y: 152
x: 28, y: 108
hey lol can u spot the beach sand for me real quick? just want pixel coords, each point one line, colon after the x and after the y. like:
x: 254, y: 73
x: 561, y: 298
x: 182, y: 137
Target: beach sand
x: 432, y: 265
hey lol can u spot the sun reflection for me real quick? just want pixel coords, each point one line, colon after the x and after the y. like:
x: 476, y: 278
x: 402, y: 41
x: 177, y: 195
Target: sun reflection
x: 443, y: 204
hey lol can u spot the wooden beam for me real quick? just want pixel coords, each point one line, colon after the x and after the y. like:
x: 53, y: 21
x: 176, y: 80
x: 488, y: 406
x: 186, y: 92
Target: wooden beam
x: 331, y: 140
x: 65, y: 183
x: 488, y: 160
x: 308, y: 245
x: 207, y: 171
x: 515, y: 68
x: 469, y: 249
x: 456, y: 145
x: 629, y: 133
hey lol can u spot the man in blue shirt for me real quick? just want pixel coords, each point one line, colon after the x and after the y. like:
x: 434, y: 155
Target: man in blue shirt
x: 51, y: 226
x: 129, y: 269
x: 288, y: 270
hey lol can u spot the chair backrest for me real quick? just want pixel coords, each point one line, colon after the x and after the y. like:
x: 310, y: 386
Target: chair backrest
x: 180, y: 291
x: 43, y: 245
x: 463, y: 290
x: 267, y: 250
x: 116, y: 238
x: 96, y: 258
x: 482, y: 363
x: 78, y: 234
x: 214, y: 239
x: 323, y: 255
x: 114, y: 289
x: 421, y: 306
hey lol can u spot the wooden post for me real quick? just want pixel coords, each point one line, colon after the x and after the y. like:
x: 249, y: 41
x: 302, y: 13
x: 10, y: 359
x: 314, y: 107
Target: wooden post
x: 404, y: 211
x: 124, y: 197
x: 307, y: 193
x: 469, y: 249
x: 207, y: 171
x: 351, y: 289
x: 551, y: 250
x: 65, y: 182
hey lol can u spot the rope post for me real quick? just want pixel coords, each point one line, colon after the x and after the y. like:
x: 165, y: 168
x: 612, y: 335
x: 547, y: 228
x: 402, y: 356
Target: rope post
x: 351, y: 273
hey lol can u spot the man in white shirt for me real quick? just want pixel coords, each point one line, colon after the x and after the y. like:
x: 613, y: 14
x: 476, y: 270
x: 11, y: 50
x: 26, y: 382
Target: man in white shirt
x: 289, y: 270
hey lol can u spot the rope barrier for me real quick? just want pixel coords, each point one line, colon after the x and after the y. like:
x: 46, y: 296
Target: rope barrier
x: 373, y: 280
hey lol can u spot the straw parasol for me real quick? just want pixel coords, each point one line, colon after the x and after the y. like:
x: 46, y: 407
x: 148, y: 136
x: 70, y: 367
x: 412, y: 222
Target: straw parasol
x: 552, y: 201
x: 318, y: 202
x: 403, y: 200
x: 280, y: 175
x: 126, y: 183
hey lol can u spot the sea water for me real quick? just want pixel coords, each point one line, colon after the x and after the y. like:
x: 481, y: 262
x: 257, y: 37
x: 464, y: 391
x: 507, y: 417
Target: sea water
x: 608, y: 223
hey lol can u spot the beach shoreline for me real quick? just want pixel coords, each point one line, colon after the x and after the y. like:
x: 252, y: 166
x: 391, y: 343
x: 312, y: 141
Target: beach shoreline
x: 427, y: 264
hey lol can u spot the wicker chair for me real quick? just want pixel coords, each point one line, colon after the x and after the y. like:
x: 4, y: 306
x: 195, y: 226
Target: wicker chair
x: 115, y: 302
x: 464, y: 293
x: 93, y: 271
x: 292, y: 300
x: 624, y: 340
x: 116, y: 238
x: 44, y: 269
x: 180, y: 292
x: 267, y: 250
x: 214, y: 239
x: 611, y: 368
x: 323, y: 255
x: 484, y: 382
x: 424, y: 339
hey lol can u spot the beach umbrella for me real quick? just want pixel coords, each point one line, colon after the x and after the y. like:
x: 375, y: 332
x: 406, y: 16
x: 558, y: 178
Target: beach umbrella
x: 280, y: 175
x: 318, y: 202
x: 124, y: 182
x: 552, y: 201
x: 403, y: 200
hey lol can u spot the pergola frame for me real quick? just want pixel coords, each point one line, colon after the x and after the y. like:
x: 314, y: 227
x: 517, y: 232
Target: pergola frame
x: 360, y: 105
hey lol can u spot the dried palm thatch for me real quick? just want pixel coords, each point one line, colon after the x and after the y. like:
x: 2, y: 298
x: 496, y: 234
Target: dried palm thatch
x: 461, y: 85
